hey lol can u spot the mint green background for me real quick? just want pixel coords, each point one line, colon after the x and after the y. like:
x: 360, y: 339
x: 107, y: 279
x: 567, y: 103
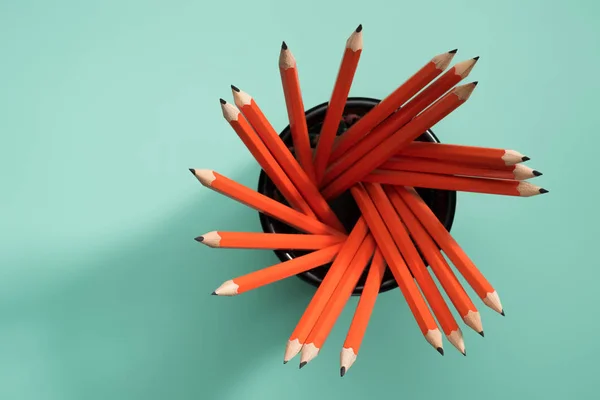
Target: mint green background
x: 105, y: 104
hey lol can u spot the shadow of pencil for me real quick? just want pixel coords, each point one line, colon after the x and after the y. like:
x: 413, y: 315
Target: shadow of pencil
x: 140, y: 321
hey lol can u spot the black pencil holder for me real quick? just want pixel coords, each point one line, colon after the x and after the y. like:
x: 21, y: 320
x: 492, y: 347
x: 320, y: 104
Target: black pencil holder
x: 441, y: 202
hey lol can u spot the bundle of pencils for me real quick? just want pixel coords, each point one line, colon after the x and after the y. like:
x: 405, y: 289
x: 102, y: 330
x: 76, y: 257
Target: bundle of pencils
x: 378, y: 160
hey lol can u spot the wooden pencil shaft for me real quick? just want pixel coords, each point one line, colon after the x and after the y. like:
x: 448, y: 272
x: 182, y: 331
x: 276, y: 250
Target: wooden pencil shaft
x: 394, y: 260
x: 262, y: 203
x: 265, y: 159
x: 414, y: 164
x: 458, y: 183
x: 485, y: 157
x: 295, y: 108
x: 446, y: 242
x: 270, y: 241
x: 286, y: 160
x: 342, y: 293
x: 319, y: 301
x: 331, y: 280
x: 366, y: 302
x: 432, y: 254
x: 279, y: 271
x: 412, y: 257
x: 337, y: 103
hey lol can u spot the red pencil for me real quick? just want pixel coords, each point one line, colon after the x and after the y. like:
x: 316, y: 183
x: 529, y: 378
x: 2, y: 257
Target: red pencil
x: 354, y: 46
x: 459, y: 183
x: 295, y: 109
x: 483, y: 156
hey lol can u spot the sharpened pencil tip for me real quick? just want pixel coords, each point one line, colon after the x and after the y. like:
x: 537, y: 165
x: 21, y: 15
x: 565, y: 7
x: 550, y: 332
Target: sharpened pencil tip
x: 542, y: 191
x: 358, y: 29
x: 222, y: 101
x: 464, y: 353
x: 235, y: 88
x: 475, y: 83
x: 525, y: 158
x: 536, y: 173
x: 502, y: 313
x: 481, y: 333
x: 453, y: 51
x: 283, y: 45
x: 214, y: 294
x: 302, y: 364
x: 193, y: 171
x: 284, y: 362
x: 440, y: 350
x: 476, y: 58
x: 342, y: 371
x: 199, y: 239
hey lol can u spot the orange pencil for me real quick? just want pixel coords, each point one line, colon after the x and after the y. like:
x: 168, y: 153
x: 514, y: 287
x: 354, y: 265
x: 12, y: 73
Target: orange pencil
x: 458, y: 183
x: 388, y: 105
x: 459, y: 258
x: 354, y: 46
x: 412, y: 164
x: 400, y: 118
x: 264, y: 158
x: 335, y: 305
x: 395, y: 262
x: 326, y: 288
x: 277, y: 272
x: 221, y: 184
x: 295, y: 108
x: 400, y: 139
x: 359, y: 323
x: 459, y: 298
x: 486, y: 157
x: 270, y: 241
x: 286, y: 160
x: 415, y: 264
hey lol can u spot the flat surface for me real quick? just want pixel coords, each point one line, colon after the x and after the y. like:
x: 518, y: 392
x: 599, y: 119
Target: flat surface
x: 104, y: 106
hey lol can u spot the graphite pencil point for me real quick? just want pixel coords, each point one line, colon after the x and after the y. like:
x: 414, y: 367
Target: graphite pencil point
x: 464, y: 353
x: 284, y: 362
x: 481, y: 333
x: 342, y: 371
x: 440, y: 350
x: 214, y: 294
x: 453, y: 51
x: 222, y: 101
x: 542, y: 191
x: 536, y: 173
x: 525, y: 158
x: 283, y: 45
x: 199, y: 239
x: 358, y: 29
x: 193, y: 171
x: 302, y: 364
x: 476, y: 58
x: 502, y: 313
x: 475, y: 83
x: 235, y: 88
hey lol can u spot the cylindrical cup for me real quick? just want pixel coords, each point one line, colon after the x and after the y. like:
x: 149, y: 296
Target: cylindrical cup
x: 441, y: 202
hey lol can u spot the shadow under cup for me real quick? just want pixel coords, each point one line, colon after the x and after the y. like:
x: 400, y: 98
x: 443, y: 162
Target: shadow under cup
x: 441, y: 202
